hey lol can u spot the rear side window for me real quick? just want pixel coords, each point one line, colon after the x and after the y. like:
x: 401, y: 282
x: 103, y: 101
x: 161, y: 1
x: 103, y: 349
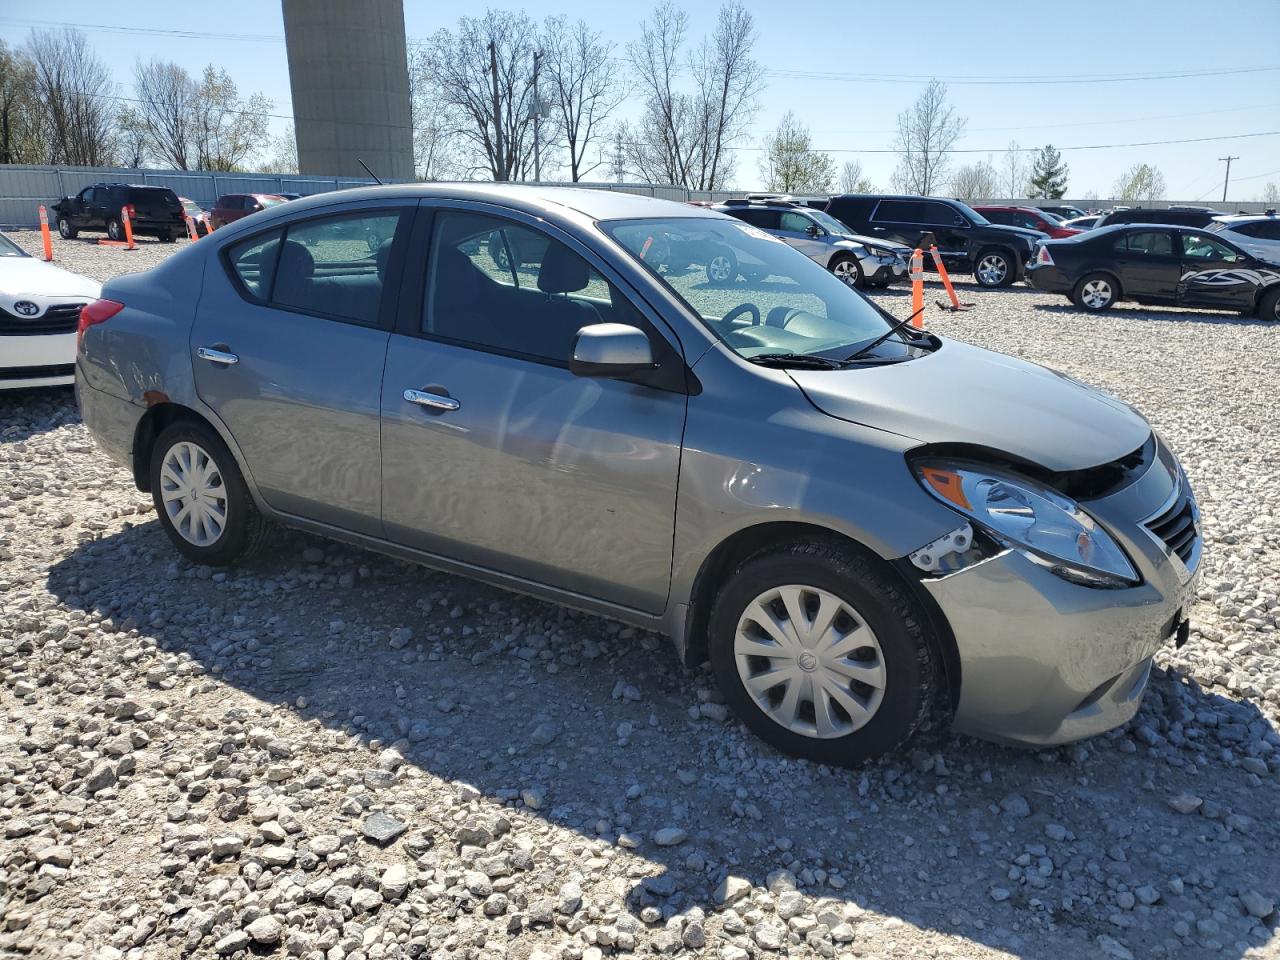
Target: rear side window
x: 764, y: 219
x: 900, y: 211
x: 1261, y: 229
x: 336, y: 266
x: 254, y: 263
x: 1150, y: 244
x: 997, y: 216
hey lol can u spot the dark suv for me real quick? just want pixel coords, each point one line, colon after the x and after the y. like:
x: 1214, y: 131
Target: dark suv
x: 967, y: 241
x: 153, y: 211
x: 1174, y: 216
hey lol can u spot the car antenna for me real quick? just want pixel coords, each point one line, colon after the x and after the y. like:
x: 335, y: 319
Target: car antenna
x: 369, y: 172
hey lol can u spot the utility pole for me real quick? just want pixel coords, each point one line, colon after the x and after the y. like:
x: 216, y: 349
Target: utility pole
x: 1227, y: 179
x: 537, y: 120
x: 500, y: 168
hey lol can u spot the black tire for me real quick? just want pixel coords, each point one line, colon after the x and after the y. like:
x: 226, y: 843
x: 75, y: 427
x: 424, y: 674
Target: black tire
x: 881, y: 284
x: 1269, y: 306
x: 722, y: 267
x: 1088, y: 292
x: 245, y: 530
x: 846, y: 267
x: 870, y: 587
x: 498, y: 251
x: 988, y: 274
x: 66, y: 230
x: 115, y: 229
x: 166, y: 236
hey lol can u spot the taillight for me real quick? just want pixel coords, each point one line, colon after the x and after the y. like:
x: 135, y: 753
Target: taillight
x: 1043, y: 256
x: 100, y: 311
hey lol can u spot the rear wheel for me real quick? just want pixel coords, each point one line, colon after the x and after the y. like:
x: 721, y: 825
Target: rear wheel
x: 995, y: 268
x: 821, y: 652
x: 201, y: 497
x: 1269, y: 306
x: 66, y: 230
x: 848, y: 270
x: 115, y: 229
x: 1095, y: 292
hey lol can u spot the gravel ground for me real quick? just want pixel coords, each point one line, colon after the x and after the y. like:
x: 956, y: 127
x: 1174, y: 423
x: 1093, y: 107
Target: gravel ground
x: 327, y: 753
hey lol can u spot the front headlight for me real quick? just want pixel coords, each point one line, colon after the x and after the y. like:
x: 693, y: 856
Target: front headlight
x: 1047, y: 527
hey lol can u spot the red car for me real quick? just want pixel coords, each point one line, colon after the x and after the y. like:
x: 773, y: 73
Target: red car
x: 1028, y: 217
x: 233, y: 206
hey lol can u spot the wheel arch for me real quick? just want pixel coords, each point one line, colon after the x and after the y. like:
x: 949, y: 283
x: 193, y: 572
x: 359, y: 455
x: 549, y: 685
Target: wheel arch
x: 1108, y: 273
x: 743, y: 543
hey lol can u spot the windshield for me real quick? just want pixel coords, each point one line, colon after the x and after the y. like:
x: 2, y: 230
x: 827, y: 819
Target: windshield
x: 830, y: 223
x: 751, y: 290
x: 10, y: 249
x: 192, y: 207
x: 271, y: 201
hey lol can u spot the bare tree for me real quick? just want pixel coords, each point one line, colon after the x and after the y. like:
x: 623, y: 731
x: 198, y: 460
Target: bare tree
x: 1014, y: 172
x: 484, y: 73
x: 1270, y: 193
x: 133, y: 143
x: 282, y: 153
x: 1142, y: 182
x: 686, y: 137
x: 76, y: 100
x: 227, y: 128
x: 21, y: 128
x: 438, y: 153
x: 582, y: 85
x: 852, y: 179
x: 976, y: 181
x: 790, y: 164
x: 926, y: 133
x: 167, y: 111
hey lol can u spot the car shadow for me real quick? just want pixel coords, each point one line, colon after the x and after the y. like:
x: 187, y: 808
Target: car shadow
x: 510, y: 694
x: 27, y: 412
x: 1231, y: 318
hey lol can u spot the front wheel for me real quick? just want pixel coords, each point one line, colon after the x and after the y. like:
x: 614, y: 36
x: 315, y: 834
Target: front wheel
x: 115, y: 229
x: 66, y: 230
x: 820, y: 651
x: 166, y: 236
x: 995, y: 268
x: 201, y: 497
x: 1095, y: 293
x: 848, y: 271
x: 722, y: 267
x: 1269, y: 306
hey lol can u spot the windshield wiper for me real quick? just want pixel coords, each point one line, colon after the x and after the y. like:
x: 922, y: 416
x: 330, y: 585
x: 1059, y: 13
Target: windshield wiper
x: 861, y: 351
x: 795, y: 360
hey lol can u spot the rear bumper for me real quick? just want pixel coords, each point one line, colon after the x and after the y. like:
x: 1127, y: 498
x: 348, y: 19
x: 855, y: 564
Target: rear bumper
x: 1047, y: 277
x: 37, y: 361
x: 113, y: 422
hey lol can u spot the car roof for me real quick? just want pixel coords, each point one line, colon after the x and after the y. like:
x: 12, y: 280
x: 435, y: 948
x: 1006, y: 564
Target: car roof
x: 1230, y: 218
x: 536, y: 200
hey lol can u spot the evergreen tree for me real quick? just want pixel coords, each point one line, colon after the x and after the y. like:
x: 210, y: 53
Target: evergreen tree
x: 1048, y: 175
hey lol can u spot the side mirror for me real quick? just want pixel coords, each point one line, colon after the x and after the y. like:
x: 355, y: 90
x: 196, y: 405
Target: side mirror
x: 812, y: 230
x: 256, y: 207
x: 611, y: 350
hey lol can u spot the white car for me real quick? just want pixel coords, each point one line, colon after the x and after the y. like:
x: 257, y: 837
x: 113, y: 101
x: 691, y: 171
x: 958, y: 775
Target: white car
x: 39, y: 313
x: 1258, y: 233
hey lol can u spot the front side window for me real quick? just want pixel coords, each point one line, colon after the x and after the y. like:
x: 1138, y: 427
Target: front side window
x: 754, y: 292
x: 1149, y: 244
x: 502, y: 287
x: 795, y: 222
x: 831, y: 224
x: 1199, y: 246
x: 336, y: 266
x: 86, y: 195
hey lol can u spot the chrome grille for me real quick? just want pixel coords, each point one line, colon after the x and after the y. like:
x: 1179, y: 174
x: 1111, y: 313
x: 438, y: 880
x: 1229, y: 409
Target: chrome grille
x: 60, y: 318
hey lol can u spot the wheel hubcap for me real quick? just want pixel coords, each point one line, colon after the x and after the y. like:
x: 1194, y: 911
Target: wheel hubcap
x: 846, y: 271
x: 1096, y: 293
x: 992, y: 269
x: 809, y: 661
x: 719, y: 268
x: 194, y: 496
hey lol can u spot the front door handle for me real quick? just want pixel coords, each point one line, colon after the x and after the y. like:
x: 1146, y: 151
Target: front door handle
x: 217, y: 356
x: 433, y: 401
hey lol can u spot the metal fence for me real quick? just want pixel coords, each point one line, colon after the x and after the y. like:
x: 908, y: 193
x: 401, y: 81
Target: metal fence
x: 24, y: 188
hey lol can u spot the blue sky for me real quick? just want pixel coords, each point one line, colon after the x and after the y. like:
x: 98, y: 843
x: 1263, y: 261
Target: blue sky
x: 1084, y: 38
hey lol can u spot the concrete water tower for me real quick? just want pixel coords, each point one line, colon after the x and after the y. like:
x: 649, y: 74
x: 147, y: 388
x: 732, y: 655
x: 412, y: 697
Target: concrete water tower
x: 349, y: 74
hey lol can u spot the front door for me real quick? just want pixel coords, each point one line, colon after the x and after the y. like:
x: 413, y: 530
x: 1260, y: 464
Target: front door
x: 797, y: 230
x: 514, y: 464
x: 1215, y: 275
x: 288, y: 351
x: 1148, y: 264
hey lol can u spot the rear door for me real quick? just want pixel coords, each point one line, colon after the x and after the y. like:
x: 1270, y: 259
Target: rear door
x: 1148, y: 264
x: 1216, y: 275
x: 522, y: 467
x: 78, y: 208
x: 288, y: 349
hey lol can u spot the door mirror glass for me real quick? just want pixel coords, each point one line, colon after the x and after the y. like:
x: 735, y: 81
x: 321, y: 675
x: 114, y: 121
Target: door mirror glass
x: 611, y: 350
x: 812, y: 230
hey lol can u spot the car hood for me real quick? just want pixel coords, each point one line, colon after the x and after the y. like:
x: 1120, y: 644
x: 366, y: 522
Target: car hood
x: 964, y: 394
x: 878, y: 243
x: 23, y: 277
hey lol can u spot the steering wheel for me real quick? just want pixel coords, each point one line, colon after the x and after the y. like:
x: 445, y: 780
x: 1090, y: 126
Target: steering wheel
x: 750, y: 308
x: 781, y: 316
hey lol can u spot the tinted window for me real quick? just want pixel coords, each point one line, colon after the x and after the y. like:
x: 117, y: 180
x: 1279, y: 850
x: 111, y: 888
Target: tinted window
x: 254, y: 262
x: 940, y: 215
x: 336, y: 266
x: 795, y: 222
x: 901, y: 211
x: 1262, y: 229
x: 1028, y: 221
x: 87, y: 194
x: 1202, y: 247
x: 998, y: 216
x: 1149, y: 244
x: 764, y: 219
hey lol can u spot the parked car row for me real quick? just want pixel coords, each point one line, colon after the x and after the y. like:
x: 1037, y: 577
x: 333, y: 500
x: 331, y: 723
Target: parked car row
x: 154, y: 211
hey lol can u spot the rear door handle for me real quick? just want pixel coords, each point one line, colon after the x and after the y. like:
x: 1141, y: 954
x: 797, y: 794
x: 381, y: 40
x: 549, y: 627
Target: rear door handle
x: 433, y: 401
x: 217, y: 356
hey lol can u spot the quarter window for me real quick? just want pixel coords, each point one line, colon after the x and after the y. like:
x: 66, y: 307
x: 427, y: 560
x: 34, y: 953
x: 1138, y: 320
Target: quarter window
x: 501, y: 287
x: 254, y: 262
